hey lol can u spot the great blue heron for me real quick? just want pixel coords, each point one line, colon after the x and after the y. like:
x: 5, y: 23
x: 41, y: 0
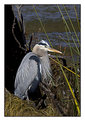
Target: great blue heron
x: 34, y: 68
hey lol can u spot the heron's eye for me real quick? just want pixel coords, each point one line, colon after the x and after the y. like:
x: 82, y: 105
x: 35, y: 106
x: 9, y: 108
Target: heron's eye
x: 45, y: 45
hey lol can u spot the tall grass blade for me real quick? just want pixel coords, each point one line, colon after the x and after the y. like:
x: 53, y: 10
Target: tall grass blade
x: 68, y: 28
x: 71, y: 24
x: 42, y: 25
x: 73, y: 62
x: 77, y: 17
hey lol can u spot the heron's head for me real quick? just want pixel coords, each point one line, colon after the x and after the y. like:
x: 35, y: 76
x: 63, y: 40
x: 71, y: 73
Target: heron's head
x: 43, y: 47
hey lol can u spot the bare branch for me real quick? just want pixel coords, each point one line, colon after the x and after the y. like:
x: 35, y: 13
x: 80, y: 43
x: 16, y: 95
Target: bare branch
x: 13, y: 27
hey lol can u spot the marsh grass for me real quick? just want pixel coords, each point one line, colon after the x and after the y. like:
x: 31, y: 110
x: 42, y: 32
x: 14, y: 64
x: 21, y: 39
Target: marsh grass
x: 72, y: 24
x: 75, y: 67
x: 68, y: 28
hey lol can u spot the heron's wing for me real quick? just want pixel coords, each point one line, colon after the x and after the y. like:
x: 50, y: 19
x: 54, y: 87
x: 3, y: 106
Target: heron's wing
x: 26, y: 73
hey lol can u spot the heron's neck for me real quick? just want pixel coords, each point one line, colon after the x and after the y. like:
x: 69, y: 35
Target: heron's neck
x: 45, y: 64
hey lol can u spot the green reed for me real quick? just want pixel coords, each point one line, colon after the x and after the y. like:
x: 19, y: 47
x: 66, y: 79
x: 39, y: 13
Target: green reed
x: 68, y: 28
x: 71, y: 24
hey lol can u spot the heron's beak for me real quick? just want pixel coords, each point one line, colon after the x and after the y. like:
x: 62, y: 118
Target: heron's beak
x: 54, y: 50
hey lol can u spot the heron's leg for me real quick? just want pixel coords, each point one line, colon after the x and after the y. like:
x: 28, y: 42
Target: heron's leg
x: 26, y: 94
x: 27, y: 98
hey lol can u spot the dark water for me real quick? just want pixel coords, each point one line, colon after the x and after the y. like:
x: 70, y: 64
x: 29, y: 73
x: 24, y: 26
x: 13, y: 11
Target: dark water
x: 49, y: 12
x: 53, y: 23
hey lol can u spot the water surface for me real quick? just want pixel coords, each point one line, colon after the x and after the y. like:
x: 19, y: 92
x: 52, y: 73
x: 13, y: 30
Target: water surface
x: 54, y: 25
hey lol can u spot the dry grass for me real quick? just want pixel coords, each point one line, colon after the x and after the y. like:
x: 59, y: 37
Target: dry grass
x: 17, y: 107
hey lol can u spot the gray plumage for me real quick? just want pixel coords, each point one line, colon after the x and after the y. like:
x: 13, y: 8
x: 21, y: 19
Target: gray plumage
x: 35, y: 67
x: 29, y: 73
